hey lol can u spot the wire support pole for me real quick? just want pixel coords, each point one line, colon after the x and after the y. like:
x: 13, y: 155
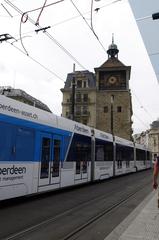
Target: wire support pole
x: 73, y: 93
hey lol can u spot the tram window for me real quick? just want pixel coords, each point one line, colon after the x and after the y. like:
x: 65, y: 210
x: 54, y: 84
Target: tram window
x: 119, y: 164
x: 56, y: 158
x: 148, y: 155
x: 85, y: 151
x: 124, y: 153
x: 80, y: 152
x: 84, y: 167
x: 104, y: 151
x: 78, y: 167
x: 81, y: 161
x: 119, y: 153
x: 45, y: 158
x: 80, y: 149
x: 140, y: 155
x: 100, y: 153
x: 127, y: 164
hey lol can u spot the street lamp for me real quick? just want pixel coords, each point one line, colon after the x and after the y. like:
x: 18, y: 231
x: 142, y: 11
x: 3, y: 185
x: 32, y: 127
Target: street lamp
x: 73, y: 95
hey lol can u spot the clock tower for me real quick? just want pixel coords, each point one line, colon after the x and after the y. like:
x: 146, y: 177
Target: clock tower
x: 113, y: 97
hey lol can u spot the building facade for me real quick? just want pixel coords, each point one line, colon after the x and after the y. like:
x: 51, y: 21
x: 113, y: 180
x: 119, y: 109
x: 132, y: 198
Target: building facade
x: 84, y: 103
x: 101, y: 100
x: 113, y: 97
x: 150, y: 138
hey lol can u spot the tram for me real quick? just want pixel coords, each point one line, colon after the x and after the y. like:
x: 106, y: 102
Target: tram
x: 40, y: 152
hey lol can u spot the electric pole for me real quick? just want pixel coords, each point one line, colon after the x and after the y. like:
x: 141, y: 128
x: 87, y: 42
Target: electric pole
x: 73, y: 95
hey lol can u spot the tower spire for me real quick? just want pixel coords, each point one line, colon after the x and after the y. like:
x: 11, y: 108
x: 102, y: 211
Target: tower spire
x: 113, y: 49
x: 112, y: 38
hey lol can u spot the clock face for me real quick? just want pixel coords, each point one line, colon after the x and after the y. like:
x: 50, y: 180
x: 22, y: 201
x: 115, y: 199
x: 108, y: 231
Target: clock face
x: 112, y: 80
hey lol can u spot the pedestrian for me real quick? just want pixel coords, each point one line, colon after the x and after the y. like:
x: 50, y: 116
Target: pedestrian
x: 155, y: 176
x: 156, y: 173
x: 154, y: 158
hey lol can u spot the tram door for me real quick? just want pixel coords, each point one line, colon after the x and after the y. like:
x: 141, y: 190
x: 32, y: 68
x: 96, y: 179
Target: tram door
x: 81, y: 171
x: 50, y: 156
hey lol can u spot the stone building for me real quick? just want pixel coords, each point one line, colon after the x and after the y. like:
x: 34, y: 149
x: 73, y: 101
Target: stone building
x: 113, y: 97
x: 85, y: 98
x: 102, y: 100
x: 24, y: 97
x: 150, y: 138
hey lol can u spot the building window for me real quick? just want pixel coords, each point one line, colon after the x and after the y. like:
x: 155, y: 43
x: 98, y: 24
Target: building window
x: 77, y: 119
x: 154, y: 142
x: 79, y: 83
x: 119, y: 109
x: 85, y: 109
x: 105, y: 109
x: 78, y: 110
x: 85, y: 121
x: 85, y: 97
x: 78, y: 97
x: 84, y: 84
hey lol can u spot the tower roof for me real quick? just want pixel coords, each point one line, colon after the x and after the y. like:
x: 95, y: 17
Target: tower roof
x: 112, y: 62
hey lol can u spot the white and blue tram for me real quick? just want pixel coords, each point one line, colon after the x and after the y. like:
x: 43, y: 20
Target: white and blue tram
x: 41, y: 152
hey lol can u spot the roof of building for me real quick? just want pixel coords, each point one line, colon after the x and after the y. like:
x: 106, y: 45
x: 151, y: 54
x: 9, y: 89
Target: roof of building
x: 20, y: 95
x: 82, y: 75
x: 155, y: 124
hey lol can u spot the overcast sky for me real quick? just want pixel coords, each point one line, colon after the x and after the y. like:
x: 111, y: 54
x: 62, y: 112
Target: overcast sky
x: 70, y: 30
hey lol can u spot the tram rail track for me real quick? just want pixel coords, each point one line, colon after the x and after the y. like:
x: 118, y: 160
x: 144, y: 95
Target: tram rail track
x: 37, y: 227
x: 100, y: 215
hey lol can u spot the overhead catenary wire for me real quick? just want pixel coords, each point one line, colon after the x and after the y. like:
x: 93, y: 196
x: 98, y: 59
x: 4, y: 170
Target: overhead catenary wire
x: 36, y: 61
x: 44, y: 6
x: 72, y: 18
x: 141, y: 105
x: 25, y: 14
x: 89, y: 26
x: 37, y: 21
x: 53, y: 73
x: 21, y: 39
x: 77, y: 16
x: 146, y: 125
x: 48, y: 35
x: 6, y: 10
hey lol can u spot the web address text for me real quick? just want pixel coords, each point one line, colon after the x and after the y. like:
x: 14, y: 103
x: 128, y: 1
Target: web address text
x: 17, y: 111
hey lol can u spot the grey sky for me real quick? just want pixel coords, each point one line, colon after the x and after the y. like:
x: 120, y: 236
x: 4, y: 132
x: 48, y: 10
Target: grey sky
x: 18, y: 70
